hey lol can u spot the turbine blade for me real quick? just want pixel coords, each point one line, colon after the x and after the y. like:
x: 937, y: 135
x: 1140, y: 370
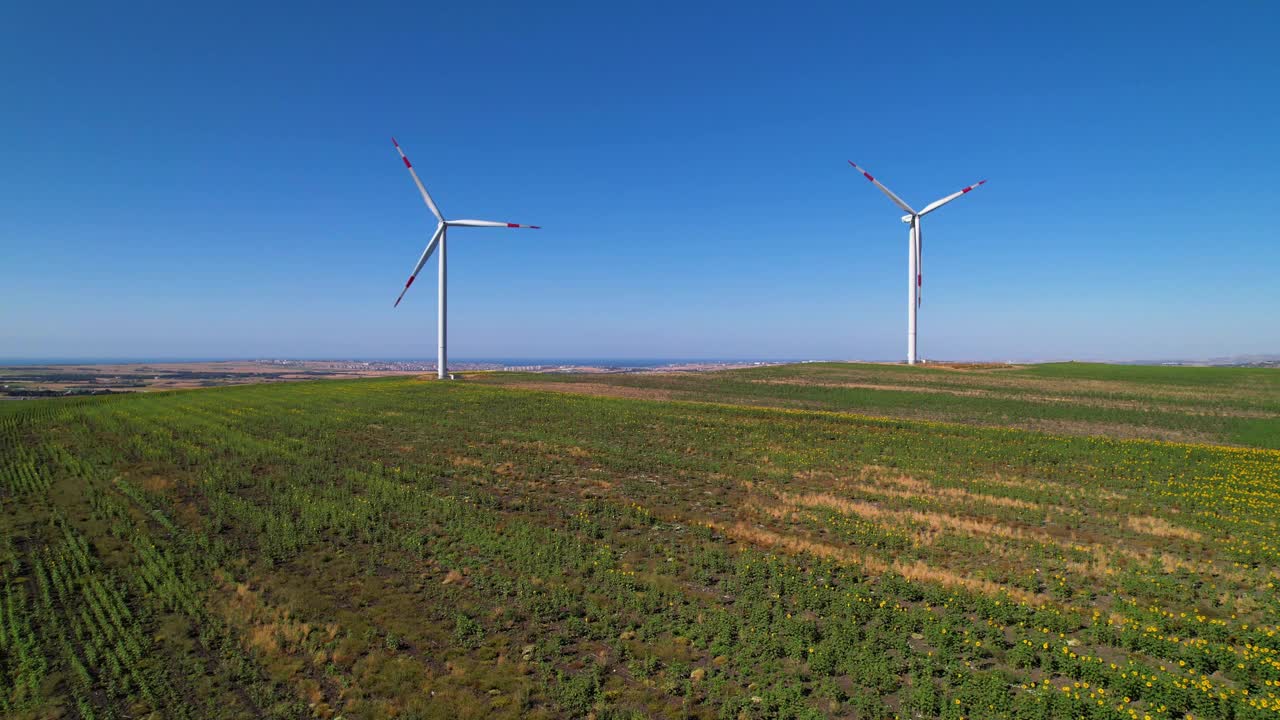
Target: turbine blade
x: 939, y: 203
x: 426, y: 254
x: 421, y: 188
x: 897, y: 200
x: 489, y: 223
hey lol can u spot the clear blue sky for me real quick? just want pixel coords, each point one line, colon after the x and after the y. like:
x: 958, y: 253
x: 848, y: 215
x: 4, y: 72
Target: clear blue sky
x: 219, y: 181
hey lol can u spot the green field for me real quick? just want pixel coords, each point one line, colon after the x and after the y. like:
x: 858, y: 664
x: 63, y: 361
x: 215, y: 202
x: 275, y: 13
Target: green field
x: 1234, y: 406
x: 1001, y: 543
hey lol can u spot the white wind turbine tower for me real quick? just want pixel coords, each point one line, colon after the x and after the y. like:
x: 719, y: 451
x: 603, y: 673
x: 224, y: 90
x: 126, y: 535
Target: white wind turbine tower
x: 442, y: 229
x: 915, y: 245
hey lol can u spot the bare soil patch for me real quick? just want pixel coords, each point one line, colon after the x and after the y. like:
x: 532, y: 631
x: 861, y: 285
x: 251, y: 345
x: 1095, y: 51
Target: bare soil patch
x: 1086, y: 401
x: 597, y: 389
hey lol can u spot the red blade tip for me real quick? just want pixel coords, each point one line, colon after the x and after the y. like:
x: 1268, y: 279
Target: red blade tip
x: 865, y: 174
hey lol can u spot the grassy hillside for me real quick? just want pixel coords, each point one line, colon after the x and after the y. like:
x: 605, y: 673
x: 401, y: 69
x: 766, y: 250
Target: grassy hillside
x: 1218, y: 405
x: 409, y: 548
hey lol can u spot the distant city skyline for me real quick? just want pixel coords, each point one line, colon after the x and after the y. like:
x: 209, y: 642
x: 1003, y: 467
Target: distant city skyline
x: 231, y: 191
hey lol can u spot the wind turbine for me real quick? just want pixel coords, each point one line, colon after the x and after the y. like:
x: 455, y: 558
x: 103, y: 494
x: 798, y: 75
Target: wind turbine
x: 915, y: 246
x: 442, y: 229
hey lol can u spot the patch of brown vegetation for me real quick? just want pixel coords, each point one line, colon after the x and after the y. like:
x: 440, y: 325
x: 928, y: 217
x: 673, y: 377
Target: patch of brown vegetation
x: 156, y: 483
x: 814, y: 382
x: 269, y: 628
x: 596, y: 389
x: 936, y: 521
x: 280, y: 638
x: 914, y: 571
x: 1161, y: 527
x: 926, y: 526
x: 1145, y: 404
x: 920, y: 488
x: 188, y: 515
x: 1119, y: 431
x: 1058, y: 488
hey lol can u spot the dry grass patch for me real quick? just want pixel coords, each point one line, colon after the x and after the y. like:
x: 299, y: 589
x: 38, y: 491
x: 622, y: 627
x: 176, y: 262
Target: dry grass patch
x: 156, y: 483
x: 936, y: 521
x: 925, y: 527
x: 921, y: 488
x: 1056, y: 488
x: 879, y: 480
x: 596, y: 389
x: 1161, y: 527
x: 280, y: 639
x: 930, y: 389
x: 1119, y: 431
x: 918, y: 571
